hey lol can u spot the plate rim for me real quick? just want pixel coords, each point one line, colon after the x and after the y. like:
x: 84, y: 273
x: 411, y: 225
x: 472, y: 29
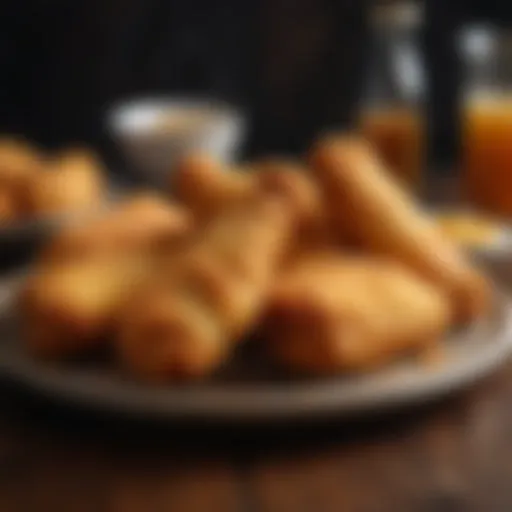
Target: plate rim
x: 269, y: 401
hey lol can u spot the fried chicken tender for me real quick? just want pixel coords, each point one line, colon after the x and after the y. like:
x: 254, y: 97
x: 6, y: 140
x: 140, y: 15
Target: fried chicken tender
x: 66, y: 310
x: 8, y: 210
x: 185, y: 322
x: 293, y: 183
x: 207, y: 187
x: 138, y: 223
x: 332, y: 313
x: 364, y: 198
x: 71, y: 182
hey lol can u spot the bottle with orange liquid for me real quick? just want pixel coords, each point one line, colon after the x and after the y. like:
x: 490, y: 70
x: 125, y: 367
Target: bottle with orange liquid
x: 391, y: 115
x: 487, y: 154
x: 487, y: 122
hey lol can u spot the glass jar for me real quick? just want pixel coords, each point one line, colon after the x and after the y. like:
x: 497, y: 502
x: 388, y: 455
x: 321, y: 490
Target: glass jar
x: 391, y: 111
x: 487, y: 119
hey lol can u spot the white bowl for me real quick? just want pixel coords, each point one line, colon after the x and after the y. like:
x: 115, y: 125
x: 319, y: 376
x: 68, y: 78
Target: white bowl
x: 144, y: 130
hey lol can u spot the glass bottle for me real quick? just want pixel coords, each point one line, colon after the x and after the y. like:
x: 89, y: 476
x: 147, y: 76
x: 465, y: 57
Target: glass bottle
x: 486, y: 52
x: 391, y: 111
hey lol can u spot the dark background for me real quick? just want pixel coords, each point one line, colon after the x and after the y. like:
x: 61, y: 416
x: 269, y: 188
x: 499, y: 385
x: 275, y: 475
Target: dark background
x: 296, y: 67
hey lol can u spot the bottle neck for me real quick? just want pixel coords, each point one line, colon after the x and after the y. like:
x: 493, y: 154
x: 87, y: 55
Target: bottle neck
x: 479, y: 49
x: 395, y: 67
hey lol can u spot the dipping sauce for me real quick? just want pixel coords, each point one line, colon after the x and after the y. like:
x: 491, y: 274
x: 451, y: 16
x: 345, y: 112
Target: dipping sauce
x: 183, y: 123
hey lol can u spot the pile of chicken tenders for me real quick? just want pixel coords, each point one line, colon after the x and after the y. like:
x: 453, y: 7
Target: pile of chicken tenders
x: 327, y: 262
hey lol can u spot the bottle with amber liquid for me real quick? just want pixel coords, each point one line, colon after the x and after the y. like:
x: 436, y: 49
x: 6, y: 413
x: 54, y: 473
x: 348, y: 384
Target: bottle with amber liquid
x: 487, y: 119
x: 390, y: 115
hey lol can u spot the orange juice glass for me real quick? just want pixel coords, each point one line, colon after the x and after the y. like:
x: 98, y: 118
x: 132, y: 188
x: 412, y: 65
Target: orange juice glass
x: 397, y: 134
x: 487, y: 153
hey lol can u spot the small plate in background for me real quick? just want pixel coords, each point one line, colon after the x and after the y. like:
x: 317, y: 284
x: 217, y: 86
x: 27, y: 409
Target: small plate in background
x: 20, y: 240
x: 475, y: 232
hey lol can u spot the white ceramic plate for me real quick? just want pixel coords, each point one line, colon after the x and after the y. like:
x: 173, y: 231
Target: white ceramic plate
x: 261, y: 394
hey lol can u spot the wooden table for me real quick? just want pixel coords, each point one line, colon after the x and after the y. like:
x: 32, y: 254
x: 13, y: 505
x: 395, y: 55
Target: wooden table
x: 451, y: 456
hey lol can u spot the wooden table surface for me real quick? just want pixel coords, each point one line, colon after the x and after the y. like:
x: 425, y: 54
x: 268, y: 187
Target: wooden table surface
x: 454, y: 455
x: 451, y: 456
